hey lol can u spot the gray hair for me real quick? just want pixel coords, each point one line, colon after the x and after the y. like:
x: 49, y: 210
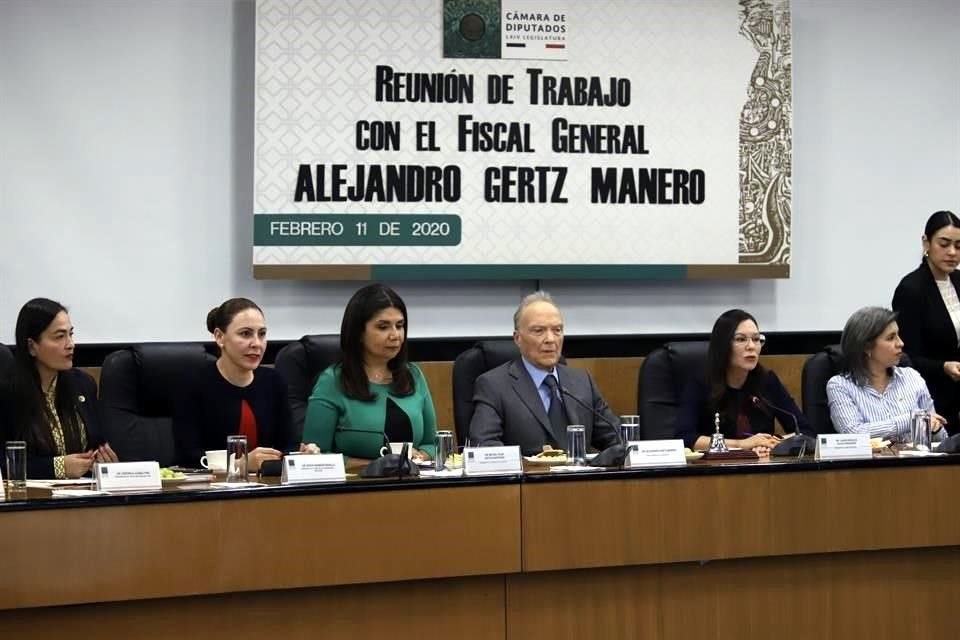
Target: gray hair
x: 863, y: 327
x: 537, y: 296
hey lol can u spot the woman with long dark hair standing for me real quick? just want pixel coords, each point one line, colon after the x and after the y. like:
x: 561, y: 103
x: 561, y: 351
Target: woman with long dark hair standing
x: 927, y: 302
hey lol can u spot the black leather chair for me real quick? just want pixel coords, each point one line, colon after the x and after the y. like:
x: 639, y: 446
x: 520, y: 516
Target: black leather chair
x: 138, y: 388
x: 300, y: 363
x: 470, y: 365
x: 6, y: 361
x: 661, y: 379
x: 817, y: 370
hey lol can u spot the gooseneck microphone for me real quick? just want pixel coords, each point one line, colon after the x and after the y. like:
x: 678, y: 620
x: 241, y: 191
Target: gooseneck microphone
x: 794, y: 446
x: 612, y: 456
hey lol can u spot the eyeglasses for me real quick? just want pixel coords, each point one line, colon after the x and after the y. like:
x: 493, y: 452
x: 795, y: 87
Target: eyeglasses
x: 741, y: 340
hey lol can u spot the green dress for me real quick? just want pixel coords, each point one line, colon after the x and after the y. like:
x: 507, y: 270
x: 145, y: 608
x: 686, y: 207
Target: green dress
x: 329, y: 412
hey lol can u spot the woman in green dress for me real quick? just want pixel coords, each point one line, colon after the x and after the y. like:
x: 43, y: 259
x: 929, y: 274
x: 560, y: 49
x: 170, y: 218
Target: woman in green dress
x: 373, y: 394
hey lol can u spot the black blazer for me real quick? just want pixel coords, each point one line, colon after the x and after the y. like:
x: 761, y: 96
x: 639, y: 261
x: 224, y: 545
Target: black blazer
x: 40, y: 463
x: 929, y: 337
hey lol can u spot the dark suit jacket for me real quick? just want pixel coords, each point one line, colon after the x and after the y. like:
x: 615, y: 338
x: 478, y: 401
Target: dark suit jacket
x: 928, y: 336
x: 40, y: 463
x: 508, y: 410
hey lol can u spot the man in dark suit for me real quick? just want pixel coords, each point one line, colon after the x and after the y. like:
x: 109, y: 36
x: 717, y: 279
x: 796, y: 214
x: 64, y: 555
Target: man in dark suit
x: 527, y: 401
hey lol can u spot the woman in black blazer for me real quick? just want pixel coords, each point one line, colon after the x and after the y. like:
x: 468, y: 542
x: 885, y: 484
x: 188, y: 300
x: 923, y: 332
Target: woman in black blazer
x: 923, y: 299
x: 235, y: 394
x: 48, y: 403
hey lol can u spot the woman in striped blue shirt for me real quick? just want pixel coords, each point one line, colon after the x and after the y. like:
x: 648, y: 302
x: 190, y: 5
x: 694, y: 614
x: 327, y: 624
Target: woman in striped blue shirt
x: 872, y: 394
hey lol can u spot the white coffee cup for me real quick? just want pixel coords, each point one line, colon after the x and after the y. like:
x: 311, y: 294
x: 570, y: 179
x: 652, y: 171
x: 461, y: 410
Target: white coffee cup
x: 397, y: 447
x: 215, y: 460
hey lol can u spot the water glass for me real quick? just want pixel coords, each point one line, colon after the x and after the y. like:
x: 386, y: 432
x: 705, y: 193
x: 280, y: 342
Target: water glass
x: 576, y: 445
x: 236, y: 459
x: 920, y: 430
x: 629, y: 428
x: 16, y: 464
x: 445, y: 448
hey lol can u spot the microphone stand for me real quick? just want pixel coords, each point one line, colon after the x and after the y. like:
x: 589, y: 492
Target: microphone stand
x: 376, y: 466
x: 799, y: 443
x: 612, y: 456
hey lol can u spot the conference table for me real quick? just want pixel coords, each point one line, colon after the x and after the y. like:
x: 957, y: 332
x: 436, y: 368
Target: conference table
x: 740, y: 549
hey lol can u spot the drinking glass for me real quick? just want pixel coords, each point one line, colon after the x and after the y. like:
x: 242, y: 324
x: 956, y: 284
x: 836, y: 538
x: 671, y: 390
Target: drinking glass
x: 576, y: 445
x: 920, y: 430
x: 445, y: 447
x: 629, y: 428
x: 16, y: 455
x: 236, y: 459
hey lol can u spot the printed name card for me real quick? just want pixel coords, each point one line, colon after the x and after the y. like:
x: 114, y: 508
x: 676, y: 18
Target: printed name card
x: 128, y: 476
x: 843, y: 446
x: 307, y: 468
x: 478, y: 461
x: 656, y: 453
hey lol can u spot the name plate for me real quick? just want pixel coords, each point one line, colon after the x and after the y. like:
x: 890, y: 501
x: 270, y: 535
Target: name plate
x: 307, y: 468
x: 479, y: 461
x: 128, y: 476
x: 843, y: 446
x: 656, y: 453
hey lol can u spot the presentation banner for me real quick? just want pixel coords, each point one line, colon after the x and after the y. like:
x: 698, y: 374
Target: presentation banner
x: 452, y: 139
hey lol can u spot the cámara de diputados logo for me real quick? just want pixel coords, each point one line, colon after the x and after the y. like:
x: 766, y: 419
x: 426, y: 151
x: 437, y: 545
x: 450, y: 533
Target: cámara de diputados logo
x: 510, y: 29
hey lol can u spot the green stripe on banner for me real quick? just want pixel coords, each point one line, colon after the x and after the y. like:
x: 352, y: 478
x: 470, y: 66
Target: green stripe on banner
x: 531, y: 272
x: 356, y: 230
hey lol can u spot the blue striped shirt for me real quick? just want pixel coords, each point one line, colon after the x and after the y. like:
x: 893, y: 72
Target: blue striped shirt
x: 863, y: 409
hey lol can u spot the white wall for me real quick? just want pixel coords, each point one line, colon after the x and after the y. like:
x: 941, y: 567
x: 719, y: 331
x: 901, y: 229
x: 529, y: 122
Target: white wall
x: 126, y: 155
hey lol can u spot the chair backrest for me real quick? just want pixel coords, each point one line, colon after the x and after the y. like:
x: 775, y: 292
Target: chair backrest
x: 6, y: 361
x: 138, y: 389
x: 661, y: 379
x: 817, y: 370
x: 300, y: 363
x: 470, y: 365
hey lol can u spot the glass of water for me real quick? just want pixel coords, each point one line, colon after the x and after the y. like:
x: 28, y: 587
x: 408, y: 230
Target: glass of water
x: 630, y: 428
x: 920, y: 430
x: 445, y: 448
x: 16, y: 455
x: 576, y: 445
x: 236, y: 459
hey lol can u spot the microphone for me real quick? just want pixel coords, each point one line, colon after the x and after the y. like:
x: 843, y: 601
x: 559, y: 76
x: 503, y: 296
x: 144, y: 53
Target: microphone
x: 951, y: 444
x: 389, y: 464
x: 788, y: 446
x: 612, y: 456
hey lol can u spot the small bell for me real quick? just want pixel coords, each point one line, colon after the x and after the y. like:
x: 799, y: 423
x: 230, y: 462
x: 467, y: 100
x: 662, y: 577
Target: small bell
x: 717, y: 443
